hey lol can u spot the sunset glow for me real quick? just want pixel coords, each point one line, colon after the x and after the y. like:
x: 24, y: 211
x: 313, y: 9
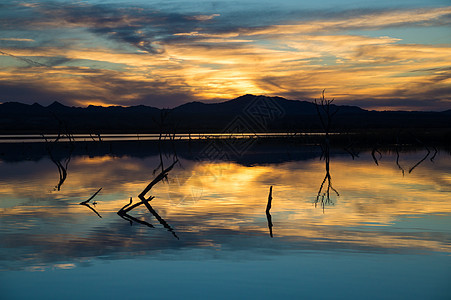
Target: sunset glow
x: 140, y: 52
x: 204, y: 197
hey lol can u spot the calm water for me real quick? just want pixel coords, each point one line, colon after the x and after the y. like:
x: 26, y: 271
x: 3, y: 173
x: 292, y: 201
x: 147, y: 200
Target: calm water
x: 374, y: 231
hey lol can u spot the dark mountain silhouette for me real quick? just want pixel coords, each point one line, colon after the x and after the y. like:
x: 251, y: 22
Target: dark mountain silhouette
x: 58, y: 107
x: 15, y: 107
x: 239, y: 104
x: 247, y: 113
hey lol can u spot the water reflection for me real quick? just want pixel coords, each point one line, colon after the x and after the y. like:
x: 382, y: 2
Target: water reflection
x: 123, y: 212
x: 424, y: 158
x: 323, y: 195
x: 379, y: 209
x: 61, y: 163
x: 268, y: 214
x: 86, y: 203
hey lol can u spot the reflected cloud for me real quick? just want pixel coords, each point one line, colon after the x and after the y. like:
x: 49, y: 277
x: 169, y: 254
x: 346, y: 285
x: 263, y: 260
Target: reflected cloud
x: 375, y: 200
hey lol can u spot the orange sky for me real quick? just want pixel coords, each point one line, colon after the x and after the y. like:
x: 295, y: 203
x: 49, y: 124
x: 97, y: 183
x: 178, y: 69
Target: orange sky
x: 89, y: 53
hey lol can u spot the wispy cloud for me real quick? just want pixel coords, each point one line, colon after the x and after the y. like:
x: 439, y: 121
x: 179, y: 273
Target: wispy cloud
x: 361, y: 20
x: 203, y: 17
x: 16, y: 40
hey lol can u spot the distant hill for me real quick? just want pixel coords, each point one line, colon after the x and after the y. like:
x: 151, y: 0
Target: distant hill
x: 246, y: 113
x: 241, y: 103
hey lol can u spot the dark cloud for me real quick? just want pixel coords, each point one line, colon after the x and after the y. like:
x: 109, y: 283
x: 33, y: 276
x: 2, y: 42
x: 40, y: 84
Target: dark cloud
x: 143, y: 28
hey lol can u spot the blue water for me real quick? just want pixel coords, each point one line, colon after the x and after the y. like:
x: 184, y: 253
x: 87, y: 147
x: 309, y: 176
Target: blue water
x: 385, y: 235
x: 300, y: 275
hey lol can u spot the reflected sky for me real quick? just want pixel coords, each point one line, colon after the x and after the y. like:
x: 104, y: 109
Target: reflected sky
x: 217, y: 208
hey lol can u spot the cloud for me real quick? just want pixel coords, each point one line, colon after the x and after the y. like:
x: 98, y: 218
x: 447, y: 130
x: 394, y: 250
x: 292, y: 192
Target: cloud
x: 203, y: 17
x: 376, y: 20
x: 83, y: 86
x: 359, y: 67
x: 124, y: 55
x: 16, y: 40
x: 143, y: 28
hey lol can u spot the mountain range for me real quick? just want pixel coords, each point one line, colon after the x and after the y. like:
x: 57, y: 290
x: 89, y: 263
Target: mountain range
x: 248, y: 113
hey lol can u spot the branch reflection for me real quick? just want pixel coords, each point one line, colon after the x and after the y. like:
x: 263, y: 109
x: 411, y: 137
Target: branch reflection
x: 85, y: 203
x: 325, y: 114
x: 63, y: 132
x: 268, y: 214
x: 124, y: 211
x: 323, y: 195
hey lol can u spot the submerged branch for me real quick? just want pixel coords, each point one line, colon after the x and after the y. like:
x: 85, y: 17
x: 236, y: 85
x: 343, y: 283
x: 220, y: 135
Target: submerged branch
x: 351, y: 151
x: 268, y: 214
x: 423, y: 159
x: 419, y: 162
x: 91, y: 208
x: 373, y: 154
x: 85, y: 203
x: 123, y: 212
x: 435, y: 153
x: 95, y: 194
x: 124, y: 215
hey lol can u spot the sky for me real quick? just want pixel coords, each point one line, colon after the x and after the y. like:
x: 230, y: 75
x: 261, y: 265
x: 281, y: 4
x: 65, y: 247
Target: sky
x: 381, y: 55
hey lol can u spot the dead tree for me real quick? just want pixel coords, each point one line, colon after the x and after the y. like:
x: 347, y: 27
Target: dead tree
x: 325, y: 114
x: 62, y: 165
x: 63, y: 132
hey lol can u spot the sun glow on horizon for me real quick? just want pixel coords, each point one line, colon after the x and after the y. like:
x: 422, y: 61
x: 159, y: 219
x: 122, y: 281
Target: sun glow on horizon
x: 131, y: 58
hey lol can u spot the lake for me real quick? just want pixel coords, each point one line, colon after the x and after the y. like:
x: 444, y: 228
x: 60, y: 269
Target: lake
x: 229, y: 219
